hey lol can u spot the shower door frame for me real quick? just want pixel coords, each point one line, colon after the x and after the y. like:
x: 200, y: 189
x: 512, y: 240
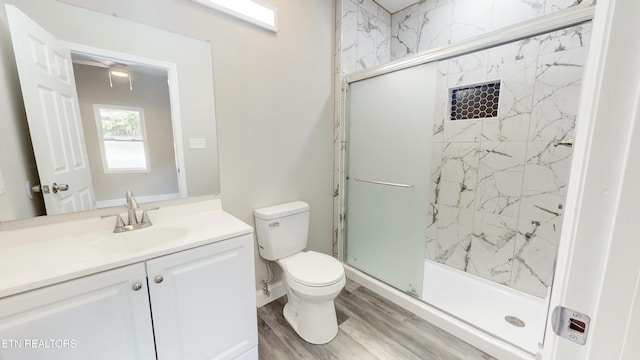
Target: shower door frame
x: 548, y: 23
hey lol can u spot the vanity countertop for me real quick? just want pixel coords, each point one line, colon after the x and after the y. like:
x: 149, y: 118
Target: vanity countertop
x: 38, y: 256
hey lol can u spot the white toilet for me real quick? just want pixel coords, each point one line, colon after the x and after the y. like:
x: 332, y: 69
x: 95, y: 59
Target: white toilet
x: 312, y: 279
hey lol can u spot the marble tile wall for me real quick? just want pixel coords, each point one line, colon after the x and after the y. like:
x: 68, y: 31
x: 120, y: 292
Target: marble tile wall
x: 498, y: 184
x: 433, y: 23
x: 366, y: 29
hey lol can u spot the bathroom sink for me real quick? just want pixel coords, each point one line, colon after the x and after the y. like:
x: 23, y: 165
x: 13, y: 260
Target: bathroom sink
x: 137, y: 240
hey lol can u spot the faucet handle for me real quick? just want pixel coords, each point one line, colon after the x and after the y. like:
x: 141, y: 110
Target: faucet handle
x: 119, y: 222
x: 145, y: 216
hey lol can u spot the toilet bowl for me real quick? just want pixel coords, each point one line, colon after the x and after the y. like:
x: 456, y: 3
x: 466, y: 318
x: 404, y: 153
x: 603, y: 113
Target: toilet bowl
x: 311, y: 290
x: 312, y: 279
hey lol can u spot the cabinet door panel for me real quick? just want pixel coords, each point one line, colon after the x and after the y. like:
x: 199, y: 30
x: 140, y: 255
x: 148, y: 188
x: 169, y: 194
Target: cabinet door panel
x: 204, y: 308
x: 95, y: 317
x: 249, y: 355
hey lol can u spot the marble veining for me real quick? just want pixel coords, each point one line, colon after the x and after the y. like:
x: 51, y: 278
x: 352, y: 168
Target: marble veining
x: 558, y: 80
x: 459, y: 174
x: 449, y: 21
x: 500, y: 175
x: 404, y: 34
x: 349, y: 38
x: 516, y: 99
x: 455, y: 229
x: 545, y: 182
x: 373, y: 36
x: 441, y: 110
x: 534, y: 260
x: 565, y: 39
x: 434, y: 26
x: 492, y: 247
x: 492, y: 179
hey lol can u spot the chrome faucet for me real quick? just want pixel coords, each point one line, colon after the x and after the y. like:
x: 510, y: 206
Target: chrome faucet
x: 132, y: 206
x: 132, y: 217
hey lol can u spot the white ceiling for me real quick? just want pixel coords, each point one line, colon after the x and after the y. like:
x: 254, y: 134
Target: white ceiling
x: 103, y: 62
x: 393, y: 6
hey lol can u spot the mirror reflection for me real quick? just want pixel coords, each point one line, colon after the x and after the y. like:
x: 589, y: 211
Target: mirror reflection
x: 151, y: 131
x: 127, y: 126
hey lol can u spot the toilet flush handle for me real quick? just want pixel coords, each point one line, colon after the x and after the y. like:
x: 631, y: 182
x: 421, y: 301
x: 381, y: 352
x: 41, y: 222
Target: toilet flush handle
x: 274, y: 224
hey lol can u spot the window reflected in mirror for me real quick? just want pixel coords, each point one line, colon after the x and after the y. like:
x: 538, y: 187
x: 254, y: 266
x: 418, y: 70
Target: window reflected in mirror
x: 123, y: 140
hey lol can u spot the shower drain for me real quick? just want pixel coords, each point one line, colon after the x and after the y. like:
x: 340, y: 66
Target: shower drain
x: 514, y: 321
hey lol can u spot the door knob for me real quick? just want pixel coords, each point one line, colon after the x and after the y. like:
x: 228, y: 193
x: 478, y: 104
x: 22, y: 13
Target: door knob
x: 40, y: 188
x: 137, y: 286
x: 158, y: 279
x: 59, y: 187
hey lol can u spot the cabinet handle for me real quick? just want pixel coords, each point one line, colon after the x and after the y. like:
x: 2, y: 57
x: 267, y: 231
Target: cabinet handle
x: 137, y: 286
x: 158, y: 279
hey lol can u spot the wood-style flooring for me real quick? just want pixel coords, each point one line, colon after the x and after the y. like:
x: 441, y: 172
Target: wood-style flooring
x: 370, y: 327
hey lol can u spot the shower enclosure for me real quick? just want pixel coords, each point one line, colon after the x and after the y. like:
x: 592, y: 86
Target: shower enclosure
x: 456, y: 178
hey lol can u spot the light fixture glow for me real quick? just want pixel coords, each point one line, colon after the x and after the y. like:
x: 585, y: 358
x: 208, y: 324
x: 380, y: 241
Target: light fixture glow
x: 119, y: 73
x: 246, y: 10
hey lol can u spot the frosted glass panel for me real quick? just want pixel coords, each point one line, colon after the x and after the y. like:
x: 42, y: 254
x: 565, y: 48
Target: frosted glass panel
x: 390, y: 126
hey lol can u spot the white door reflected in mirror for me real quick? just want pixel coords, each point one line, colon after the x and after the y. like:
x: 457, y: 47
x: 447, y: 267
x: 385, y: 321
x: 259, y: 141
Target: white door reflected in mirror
x: 53, y: 113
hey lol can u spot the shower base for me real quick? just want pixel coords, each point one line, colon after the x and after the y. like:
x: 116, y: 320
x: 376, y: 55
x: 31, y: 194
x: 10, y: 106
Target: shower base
x: 508, y: 314
x: 482, y: 339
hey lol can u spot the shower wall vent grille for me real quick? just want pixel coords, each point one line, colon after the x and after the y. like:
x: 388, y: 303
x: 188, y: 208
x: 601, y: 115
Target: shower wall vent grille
x: 476, y: 101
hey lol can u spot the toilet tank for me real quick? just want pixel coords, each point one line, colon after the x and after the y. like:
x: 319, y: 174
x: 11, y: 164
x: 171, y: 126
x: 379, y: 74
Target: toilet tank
x: 282, y: 229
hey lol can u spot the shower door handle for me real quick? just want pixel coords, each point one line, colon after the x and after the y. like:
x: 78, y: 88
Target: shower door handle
x: 383, y: 183
x: 567, y: 143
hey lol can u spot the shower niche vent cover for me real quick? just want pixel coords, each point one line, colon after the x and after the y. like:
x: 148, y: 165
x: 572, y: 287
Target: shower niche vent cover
x: 477, y: 101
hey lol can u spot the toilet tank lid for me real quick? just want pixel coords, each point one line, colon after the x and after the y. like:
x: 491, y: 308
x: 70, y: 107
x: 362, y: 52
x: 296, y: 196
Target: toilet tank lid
x: 281, y: 210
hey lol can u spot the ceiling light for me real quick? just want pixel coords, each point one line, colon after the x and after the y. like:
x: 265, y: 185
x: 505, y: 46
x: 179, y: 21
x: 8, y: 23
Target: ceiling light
x: 121, y: 72
x: 247, y: 10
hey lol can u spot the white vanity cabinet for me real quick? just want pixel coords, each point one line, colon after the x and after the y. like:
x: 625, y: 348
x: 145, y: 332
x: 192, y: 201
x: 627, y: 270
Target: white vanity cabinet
x: 203, y: 301
x: 94, y: 317
x: 199, y: 303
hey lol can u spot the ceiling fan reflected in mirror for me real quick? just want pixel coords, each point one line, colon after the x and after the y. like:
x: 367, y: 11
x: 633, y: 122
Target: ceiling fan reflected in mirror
x: 113, y: 68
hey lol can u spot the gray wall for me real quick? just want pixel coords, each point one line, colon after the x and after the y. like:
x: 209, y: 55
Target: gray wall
x: 274, y: 101
x: 151, y: 93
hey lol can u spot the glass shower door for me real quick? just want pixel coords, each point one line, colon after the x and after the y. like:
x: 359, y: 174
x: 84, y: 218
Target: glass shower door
x: 390, y: 126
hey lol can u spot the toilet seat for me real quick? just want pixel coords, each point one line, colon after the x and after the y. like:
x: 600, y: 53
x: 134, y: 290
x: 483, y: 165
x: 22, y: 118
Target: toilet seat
x: 313, y: 269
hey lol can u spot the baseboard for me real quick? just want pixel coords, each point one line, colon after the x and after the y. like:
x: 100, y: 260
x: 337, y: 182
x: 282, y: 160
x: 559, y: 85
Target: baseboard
x: 276, y: 291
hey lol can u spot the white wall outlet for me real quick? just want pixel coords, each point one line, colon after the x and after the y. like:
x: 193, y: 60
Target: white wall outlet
x: 197, y: 143
x: 2, y: 187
